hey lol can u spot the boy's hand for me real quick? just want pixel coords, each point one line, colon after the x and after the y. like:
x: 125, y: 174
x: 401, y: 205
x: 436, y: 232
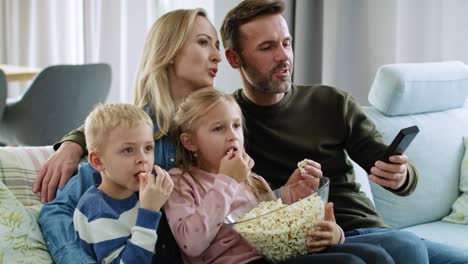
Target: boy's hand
x: 325, y: 233
x: 237, y: 165
x: 155, y: 190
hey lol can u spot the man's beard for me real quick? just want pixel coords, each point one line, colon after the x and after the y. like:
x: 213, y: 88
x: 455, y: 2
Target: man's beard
x: 265, y: 83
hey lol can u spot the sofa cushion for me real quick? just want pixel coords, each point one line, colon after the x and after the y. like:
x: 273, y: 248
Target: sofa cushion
x: 18, y: 169
x: 446, y: 233
x: 437, y: 152
x: 410, y: 88
x: 21, y: 239
x: 459, y: 212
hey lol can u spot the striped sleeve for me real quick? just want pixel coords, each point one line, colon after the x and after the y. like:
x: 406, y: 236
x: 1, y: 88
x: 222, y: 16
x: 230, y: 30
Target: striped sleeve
x: 126, y: 238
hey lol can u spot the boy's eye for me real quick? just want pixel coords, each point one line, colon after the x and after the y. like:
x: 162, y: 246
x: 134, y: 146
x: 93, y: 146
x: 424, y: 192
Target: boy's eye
x: 149, y: 147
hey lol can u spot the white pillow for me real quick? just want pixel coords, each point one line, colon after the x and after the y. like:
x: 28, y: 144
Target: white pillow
x: 459, y: 213
x: 411, y: 88
x: 21, y: 238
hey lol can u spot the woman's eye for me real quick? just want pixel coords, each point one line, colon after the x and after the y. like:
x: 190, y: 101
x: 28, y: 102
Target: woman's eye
x: 218, y: 128
x: 237, y: 125
x: 203, y: 42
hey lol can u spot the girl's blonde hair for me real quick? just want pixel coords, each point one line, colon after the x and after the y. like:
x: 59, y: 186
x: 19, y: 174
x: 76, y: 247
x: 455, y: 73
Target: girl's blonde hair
x: 163, y: 42
x: 186, y: 120
x: 106, y: 117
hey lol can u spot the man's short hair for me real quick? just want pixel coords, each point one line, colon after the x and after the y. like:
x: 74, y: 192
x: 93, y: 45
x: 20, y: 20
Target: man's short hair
x: 107, y: 117
x: 243, y: 13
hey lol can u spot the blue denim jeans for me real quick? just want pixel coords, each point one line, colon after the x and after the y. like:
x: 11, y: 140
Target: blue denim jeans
x: 348, y: 253
x: 437, y: 253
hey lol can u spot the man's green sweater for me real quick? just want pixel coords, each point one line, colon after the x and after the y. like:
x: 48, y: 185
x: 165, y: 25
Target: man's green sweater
x: 326, y: 125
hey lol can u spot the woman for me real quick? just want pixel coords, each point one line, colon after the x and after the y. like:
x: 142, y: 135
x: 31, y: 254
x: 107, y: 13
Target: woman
x: 177, y: 41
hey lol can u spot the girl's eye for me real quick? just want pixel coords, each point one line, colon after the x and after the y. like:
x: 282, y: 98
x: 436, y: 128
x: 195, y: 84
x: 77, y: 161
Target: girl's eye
x: 237, y: 125
x: 128, y: 151
x: 218, y: 128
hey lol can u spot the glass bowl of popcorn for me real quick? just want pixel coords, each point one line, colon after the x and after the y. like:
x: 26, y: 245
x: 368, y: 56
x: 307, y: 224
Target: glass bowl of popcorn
x: 277, y: 224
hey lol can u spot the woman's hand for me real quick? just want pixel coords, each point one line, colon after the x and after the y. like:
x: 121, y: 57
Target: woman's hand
x: 325, y: 233
x: 57, y: 170
x: 237, y: 165
x: 155, y: 190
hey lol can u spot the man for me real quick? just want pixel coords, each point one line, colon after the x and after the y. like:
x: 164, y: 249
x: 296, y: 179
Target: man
x: 287, y: 123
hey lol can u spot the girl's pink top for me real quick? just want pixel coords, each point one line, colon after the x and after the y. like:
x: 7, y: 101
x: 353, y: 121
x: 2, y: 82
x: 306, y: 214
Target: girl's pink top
x: 196, y: 215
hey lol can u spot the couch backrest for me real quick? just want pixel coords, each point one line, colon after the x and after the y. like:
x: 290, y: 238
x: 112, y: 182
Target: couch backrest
x: 18, y: 169
x: 437, y: 150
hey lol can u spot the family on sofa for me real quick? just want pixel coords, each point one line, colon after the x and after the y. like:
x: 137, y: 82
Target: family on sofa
x: 285, y: 124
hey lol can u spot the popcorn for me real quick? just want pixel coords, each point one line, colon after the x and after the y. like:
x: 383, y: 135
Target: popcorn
x: 301, y: 165
x: 281, y: 234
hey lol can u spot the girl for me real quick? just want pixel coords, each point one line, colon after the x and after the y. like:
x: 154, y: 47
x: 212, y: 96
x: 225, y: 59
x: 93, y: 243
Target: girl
x: 214, y: 177
x: 166, y: 74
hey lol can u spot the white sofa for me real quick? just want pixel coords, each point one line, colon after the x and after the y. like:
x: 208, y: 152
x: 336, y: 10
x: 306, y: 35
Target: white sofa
x: 406, y: 93
x: 431, y: 96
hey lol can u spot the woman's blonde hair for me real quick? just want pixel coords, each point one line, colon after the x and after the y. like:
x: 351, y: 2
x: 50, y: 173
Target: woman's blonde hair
x: 163, y: 42
x: 186, y: 120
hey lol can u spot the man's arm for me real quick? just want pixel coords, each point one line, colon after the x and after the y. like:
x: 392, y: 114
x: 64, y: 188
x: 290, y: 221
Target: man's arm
x: 56, y: 218
x: 58, y: 169
x: 365, y: 145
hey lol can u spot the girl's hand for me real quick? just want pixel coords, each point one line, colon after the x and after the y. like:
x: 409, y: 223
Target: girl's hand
x: 325, y: 233
x: 237, y: 165
x: 155, y: 190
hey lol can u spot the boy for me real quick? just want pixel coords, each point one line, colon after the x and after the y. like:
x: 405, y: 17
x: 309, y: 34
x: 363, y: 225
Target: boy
x: 112, y: 222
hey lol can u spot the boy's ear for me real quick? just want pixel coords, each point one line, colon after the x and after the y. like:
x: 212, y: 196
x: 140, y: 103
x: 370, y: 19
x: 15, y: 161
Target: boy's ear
x: 95, y: 159
x: 187, y: 141
x: 233, y: 58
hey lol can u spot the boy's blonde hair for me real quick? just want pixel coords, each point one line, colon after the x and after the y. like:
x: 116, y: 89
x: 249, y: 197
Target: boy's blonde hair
x: 163, y: 42
x: 186, y: 120
x: 107, y: 117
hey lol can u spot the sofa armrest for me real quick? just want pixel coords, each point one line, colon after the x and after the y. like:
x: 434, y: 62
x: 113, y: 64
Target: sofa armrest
x: 18, y: 169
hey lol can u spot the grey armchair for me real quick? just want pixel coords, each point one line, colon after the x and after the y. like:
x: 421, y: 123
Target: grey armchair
x: 57, y: 101
x: 3, y: 92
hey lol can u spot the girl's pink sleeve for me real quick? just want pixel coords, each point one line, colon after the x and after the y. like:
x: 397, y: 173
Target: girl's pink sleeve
x: 195, y: 217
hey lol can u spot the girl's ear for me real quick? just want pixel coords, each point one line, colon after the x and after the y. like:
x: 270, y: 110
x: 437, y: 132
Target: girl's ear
x: 95, y: 159
x: 232, y: 58
x: 188, y: 142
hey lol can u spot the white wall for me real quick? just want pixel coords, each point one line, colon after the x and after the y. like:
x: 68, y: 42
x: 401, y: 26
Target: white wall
x: 227, y: 79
